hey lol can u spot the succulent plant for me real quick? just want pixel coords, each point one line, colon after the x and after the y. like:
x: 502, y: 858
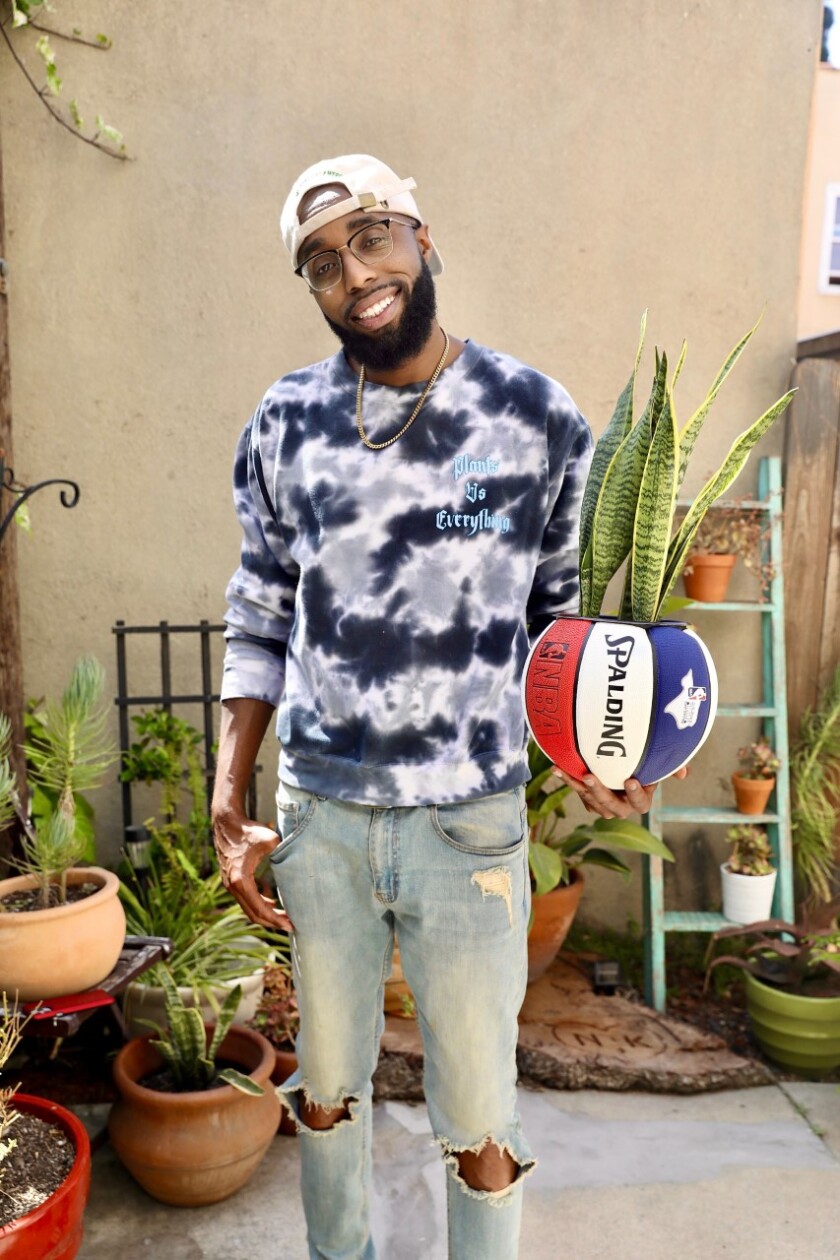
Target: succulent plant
x: 751, y: 850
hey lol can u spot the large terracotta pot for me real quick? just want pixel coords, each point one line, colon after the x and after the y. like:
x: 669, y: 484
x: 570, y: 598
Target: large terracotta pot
x: 797, y: 1032
x: 52, y: 1231
x: 708, y: 581
x: 554, y: 914
x: 752, y: 795
x: 199, y: 1147
x: 64, y: 949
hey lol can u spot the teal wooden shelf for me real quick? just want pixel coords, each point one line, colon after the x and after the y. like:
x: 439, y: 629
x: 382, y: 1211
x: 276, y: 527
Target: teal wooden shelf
x: 772, y: 713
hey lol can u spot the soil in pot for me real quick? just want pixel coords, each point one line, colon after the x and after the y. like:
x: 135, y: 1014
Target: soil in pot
x: 40, y: 1161
x: 26, y: 899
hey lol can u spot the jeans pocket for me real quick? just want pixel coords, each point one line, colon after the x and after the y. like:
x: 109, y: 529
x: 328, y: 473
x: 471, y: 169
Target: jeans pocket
x: 295, y: 810
x: 489, y: 826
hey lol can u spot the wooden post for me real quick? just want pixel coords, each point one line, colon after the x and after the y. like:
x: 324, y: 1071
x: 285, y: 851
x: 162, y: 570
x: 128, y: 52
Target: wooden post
x: 11, y: 666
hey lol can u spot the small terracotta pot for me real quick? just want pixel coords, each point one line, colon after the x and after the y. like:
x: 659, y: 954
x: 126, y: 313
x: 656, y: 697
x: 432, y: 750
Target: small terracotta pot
x: 708, y: 581
x: 752, y: 795
x: 554, y: 914
x: 199, y: 1147
x: 52, y: 1231
x: 64, y: 949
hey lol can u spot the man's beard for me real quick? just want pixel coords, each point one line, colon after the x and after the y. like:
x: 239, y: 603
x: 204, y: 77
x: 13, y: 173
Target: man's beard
x: 396, y: 344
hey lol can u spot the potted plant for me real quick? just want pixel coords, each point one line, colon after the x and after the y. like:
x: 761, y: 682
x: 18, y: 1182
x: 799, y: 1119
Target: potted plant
x: 757, y: 779
x: 44, y: 1166
x: 749, y: 878
x: 724, y: 535
x: 627, y: 514
x: 815, y: 783
x: 793, y: 992
x: 62, y: 926
x: 555, y: 859
x: 178, y: 892
x: 194, y: 1117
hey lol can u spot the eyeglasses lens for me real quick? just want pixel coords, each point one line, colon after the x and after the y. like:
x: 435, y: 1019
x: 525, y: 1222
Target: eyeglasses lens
x: 373, y: 243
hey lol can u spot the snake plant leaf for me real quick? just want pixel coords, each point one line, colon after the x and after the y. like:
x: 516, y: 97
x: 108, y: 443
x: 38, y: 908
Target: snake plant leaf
x: 546, y: 867
x: 655, y: 516
x: 679, y: 367
x: 241, y: 1082
x: 714, y: 487
x: 609, y: 442
x: 224, y: 1019
x: 612, y: 530
x: 690, y: 433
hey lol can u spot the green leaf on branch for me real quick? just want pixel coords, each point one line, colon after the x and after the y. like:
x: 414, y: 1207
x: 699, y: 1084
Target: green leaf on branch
x: 110, y: 133
x: 44, y: 48
x: 78, y: 121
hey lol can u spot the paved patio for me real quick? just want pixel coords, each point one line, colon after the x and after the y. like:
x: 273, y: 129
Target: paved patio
x: 742, y: 1174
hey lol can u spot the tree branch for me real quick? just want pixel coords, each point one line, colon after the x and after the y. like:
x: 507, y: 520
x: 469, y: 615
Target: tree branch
x: 71, y: 39
x: 56, y: 114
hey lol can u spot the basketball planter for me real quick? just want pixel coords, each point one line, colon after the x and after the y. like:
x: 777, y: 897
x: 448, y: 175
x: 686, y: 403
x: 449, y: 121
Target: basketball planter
x: 634, y: 696
x: 618, y: 699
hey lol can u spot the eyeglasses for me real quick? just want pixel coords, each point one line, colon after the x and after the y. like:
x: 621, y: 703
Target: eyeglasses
x: 371, y: 244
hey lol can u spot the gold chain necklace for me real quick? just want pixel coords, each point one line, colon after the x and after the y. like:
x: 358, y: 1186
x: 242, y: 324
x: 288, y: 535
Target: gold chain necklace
x: 379, y: 446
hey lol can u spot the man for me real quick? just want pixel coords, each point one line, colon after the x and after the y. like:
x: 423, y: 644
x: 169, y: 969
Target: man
x: 409, y: 508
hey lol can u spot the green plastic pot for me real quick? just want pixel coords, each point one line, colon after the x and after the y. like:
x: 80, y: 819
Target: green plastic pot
x: 802, y: 1033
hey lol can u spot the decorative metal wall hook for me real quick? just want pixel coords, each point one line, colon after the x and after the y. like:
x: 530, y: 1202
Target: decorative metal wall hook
x: 69, y: 497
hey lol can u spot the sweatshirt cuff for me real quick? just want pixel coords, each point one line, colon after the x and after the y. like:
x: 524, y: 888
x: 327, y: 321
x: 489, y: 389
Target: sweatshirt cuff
x: 252, y: 672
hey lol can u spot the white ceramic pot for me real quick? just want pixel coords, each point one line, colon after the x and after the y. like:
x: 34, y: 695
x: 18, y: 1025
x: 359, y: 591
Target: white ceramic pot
x: 146, y: 1001
x: 747, y: 898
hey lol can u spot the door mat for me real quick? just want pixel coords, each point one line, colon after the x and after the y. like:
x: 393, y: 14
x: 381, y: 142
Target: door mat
x: 573, y: 1038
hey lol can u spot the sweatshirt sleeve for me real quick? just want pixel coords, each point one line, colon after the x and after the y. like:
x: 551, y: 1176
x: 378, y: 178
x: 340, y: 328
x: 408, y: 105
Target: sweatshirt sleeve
x: 556, y: 587
x: 261, y: 593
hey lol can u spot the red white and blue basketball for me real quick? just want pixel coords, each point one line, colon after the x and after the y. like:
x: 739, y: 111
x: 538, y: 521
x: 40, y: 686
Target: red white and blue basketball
x: 619, y: 699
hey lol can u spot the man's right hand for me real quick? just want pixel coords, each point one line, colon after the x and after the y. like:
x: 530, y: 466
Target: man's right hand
x: 241, y: 845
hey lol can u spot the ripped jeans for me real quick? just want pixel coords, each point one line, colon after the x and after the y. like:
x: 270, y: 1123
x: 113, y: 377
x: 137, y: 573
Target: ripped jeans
x: 453, y: 881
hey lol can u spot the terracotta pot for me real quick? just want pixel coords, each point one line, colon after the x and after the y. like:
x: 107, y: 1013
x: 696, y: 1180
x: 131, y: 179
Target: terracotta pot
x: 200, y: 1147
x: 554, y: 914
x: 50, y: 953
x: 752, y: 795
x: 52, y: 1231
x: 708, y: 581
x: 747, y: 898
x: 286, y: 1064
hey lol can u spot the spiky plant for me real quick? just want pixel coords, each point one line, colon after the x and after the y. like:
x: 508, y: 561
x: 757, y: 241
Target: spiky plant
x: 191, y: 1061
x: 815, y: 780
x: 11, y: 1031
x: 782, y: 954
x: 68, y: 753
x: 630, y: 498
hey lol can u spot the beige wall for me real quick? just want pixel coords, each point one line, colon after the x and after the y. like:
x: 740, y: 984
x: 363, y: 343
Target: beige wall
x: 578, y: 162
x: 819, y: 312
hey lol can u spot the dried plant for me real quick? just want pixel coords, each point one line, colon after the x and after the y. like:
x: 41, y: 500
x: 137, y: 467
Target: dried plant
x: 736, y: 531
x: 277, y: 1015
x: 11, y: 1030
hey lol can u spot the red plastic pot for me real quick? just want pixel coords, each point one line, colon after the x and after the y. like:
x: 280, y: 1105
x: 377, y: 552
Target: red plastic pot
x: 52, y: 1231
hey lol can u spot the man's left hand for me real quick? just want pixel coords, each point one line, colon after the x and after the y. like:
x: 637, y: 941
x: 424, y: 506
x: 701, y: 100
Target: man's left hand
x: 597, y: 799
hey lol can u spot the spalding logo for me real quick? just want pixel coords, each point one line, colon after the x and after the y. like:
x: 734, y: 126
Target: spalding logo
x: 685, y: 707
x: 619, y: 650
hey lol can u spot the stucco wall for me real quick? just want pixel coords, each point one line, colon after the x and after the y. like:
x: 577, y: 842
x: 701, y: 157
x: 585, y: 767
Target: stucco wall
x: 577, y: 161
x: 819, y: 312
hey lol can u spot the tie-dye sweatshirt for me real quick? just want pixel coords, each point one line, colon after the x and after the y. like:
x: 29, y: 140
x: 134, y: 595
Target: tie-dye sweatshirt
x: 383, y: 598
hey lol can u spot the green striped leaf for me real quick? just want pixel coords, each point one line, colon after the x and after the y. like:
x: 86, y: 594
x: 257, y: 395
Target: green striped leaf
x: 689, y: 434
x: 609, y: 442
x: 655, y: 516
x: 714, y: 487
x: 246, y: 1084
x: 612, y: 533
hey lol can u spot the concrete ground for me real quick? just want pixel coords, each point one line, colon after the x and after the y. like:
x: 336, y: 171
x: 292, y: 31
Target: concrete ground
x: 742, y: 1175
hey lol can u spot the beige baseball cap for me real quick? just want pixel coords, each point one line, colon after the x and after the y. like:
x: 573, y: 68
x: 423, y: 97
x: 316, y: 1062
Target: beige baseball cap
x: 372, y: 186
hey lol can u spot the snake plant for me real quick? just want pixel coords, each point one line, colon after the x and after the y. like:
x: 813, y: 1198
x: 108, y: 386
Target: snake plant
x: 190, y: 1060
x: 630, y: 498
